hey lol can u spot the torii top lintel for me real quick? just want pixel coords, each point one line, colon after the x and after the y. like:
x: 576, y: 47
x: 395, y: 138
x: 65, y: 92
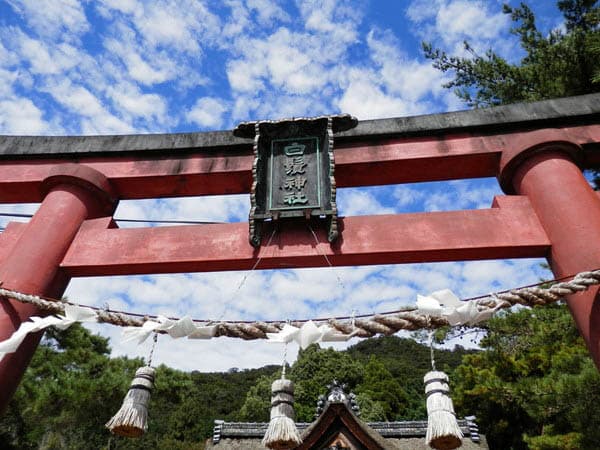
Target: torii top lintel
x: 454, y: 145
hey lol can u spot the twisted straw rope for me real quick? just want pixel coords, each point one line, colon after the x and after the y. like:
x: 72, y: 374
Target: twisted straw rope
x: 368, y: 326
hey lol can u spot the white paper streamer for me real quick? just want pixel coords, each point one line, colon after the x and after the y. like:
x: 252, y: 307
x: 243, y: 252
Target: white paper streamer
x: 330, y: 334
x: 12, y: 343
x: 174, y: 328
x: 308, y: 334
x: 429, y: 306
x: 72, y: 314
x: 445, y: 304
x: 287, y: 334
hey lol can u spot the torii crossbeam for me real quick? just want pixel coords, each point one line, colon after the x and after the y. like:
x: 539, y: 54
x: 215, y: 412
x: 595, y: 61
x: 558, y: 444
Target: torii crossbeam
x: 536, y: 151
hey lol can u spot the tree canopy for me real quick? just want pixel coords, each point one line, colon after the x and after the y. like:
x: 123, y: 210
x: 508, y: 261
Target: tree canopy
x: 73, y: 387
x: 534, y: 385
x: 557, y: 63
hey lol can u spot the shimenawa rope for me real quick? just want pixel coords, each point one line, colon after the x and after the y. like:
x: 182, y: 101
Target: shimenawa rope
x: 361, y: 326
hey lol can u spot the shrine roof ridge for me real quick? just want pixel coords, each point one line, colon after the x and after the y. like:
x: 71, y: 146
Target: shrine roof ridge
x: 518, y: 116
x: 397, y: 429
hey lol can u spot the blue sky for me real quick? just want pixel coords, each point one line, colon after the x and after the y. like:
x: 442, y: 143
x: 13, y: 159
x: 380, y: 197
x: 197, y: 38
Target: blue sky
x: 72, y: 67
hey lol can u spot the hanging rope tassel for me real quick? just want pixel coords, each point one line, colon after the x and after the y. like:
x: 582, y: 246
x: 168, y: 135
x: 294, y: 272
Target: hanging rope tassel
x: 443, y: 432
x: 282, y: 433
x: 132, y: 419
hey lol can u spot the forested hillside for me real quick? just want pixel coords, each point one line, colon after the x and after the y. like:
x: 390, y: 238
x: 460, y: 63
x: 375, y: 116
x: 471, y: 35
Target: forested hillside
x: 73, y: 387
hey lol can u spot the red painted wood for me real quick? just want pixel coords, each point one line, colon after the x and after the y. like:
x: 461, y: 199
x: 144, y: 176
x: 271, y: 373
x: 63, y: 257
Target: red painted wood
x: 9, y: 237
x: 32, y: 263
x: 569, y: 211
x: 398, y: 160
x: 508, y: 231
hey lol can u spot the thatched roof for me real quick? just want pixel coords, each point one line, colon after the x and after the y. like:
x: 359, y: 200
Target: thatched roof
x: 338, y: 423
x: 405, y: 435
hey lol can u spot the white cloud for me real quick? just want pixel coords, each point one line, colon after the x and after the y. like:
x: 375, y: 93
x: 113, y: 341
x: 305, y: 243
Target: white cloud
x: 48, y: 60
x: 7, y: 79
x: 53, y: 18
x: 21, y: 116
x: 268, y: 11
x: 245, y: 76
x: 181, y: 25
x: 450, y: 22
x: 288, y: 61
x: 455, y: 21
x: 357, y: 202
x: 211, y: 208
x: 411, y: 79
x: 288, y: 66
x: 139, y: 69
x: 129, y: 98
x: 422, y: 10
x: 95, y: 118
x: 365, y: 98
x: 77, y: 98
x: 297, y: 67
x: 122, y: 6
x: 243, y: 107
x: 332, y: 17
x: 281, y: 105
x: 7, y: 58
x: 239, y: 19
x: 161, y: 26
x: 393, y: 86
x: 406, y: 195
x: 207, y: 112
x: 461, y: 194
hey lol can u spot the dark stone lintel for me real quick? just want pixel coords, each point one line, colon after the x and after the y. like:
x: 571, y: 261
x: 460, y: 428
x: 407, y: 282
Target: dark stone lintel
x: 578, y: 110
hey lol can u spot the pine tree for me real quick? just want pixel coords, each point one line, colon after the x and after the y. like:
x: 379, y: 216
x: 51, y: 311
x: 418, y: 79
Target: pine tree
x: 534, y: 385
x: 559, y: 63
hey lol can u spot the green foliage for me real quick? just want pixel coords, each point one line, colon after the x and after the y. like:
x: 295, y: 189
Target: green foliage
x: 555, y: 64
x: 314, y: 369
x: 534, y: 385
x: 569, y: 441
x: 258, y: 401
x: 370, y: 410
x: 385, y: 391
x: 408, y: 362
x: 73, y: 387
x: 386, y: 373
x: 71, y: 372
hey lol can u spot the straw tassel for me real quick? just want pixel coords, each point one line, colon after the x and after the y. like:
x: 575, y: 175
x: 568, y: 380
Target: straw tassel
x: 282, y: 433
x: 132, y: 419
x: 443, y: 432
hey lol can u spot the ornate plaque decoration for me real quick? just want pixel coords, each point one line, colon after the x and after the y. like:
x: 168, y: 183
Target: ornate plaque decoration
x: 336, y: 393
x: 293, y: 170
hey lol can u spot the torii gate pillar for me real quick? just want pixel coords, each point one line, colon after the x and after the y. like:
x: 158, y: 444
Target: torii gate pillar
x: 74, y: 193
x: 569, y: 211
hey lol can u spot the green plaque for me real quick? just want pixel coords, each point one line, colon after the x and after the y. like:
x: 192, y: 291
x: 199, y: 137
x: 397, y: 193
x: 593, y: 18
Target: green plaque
x: 293, y: 170
x: 295, y: 173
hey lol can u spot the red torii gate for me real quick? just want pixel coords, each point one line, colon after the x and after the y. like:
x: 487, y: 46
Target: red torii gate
x: 535, y: 150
